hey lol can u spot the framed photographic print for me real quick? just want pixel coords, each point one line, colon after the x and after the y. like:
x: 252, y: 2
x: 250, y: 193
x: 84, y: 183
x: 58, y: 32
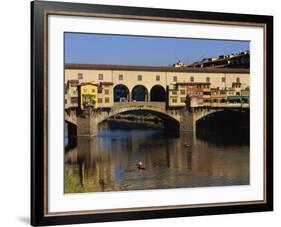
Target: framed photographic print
x: 142, y: 113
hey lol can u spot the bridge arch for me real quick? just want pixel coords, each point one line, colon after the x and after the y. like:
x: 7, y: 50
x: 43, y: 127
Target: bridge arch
x: 124, y: 107
x: 207, y: 113
x: 121, y: 93
x: 232, y: 119
x: 139, y: 93
x: 171, y: 124
x: 170, y: 121
x: 157, y: 94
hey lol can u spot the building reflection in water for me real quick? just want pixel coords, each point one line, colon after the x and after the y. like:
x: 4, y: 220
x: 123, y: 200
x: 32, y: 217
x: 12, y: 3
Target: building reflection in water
x: 108, y: 162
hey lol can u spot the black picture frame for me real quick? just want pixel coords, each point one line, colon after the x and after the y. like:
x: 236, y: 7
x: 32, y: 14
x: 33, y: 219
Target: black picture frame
x: 39, y: 96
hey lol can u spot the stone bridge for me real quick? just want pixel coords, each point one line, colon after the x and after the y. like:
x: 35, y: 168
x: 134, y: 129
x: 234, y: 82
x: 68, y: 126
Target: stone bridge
x: 158, y: 108
x: 176, y: 120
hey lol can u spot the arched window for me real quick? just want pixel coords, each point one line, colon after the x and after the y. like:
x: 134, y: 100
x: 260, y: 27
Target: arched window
x: 157, y: 94
x: 139, y: 93
x: 121, y: 93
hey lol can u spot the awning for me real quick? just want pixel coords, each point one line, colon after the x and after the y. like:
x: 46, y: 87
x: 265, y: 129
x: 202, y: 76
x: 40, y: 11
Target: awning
x: 234, y: 98
x: 245, y: 97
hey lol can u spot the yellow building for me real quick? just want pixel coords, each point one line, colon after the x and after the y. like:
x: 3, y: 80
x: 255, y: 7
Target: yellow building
x: 177, y: 95
x: 88, y: 95
x: 105, y: 95
x: 218, y: 97
x: 245, y: 95
x: 206, y: 95
x: 234, y: 94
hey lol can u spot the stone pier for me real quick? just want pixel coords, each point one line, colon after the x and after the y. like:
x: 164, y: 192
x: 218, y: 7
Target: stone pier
x: 87, y: 124
x: 187, y: 122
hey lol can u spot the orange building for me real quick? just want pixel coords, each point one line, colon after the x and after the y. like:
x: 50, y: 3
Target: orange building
x: 195, y: 93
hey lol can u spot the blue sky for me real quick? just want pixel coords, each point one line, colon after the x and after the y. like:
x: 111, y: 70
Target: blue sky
x: 139, y: 50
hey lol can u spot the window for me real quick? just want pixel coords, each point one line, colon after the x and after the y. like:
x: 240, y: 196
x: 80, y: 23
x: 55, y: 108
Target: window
x: 237, y: 80
x: 208, y: 79
x: 99, y: 100
x: 174, y: 92
x: 182, y: 92
x: 106, y: 91
x: 120, y: 76
x: 223, y: 79
x: 65, y: 101
x: 106, y: 100
x: 74, y: 100
x: 84, y: 90
x: 183, y: 99
x: 192, y: 79
x: 74, y: 92
x: 100, y: 76
x: 139, y: 77
x: 175, y: 78
x: 157, y: 77
x: 174, y: 100
x: 80, y: 76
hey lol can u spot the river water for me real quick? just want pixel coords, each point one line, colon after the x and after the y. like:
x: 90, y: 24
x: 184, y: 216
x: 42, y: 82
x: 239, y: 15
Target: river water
x: 108, y: 162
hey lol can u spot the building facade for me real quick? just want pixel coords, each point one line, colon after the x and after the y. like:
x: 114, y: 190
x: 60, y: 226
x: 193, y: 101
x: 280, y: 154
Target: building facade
x: 88, y: 95
x: 234, y: 60
x: 71, y: 94
x: 121, y: 83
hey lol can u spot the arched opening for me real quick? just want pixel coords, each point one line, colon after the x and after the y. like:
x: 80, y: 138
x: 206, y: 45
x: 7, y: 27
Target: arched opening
x: 225, y: 127
x: 139, y: 93
x: 121, y: 93
x: 141, y: 119
x: 157, y: 94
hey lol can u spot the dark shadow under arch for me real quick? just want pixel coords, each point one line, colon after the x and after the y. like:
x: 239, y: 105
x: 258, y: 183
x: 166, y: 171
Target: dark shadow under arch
x: 231, y: 122
x: 170, y: 125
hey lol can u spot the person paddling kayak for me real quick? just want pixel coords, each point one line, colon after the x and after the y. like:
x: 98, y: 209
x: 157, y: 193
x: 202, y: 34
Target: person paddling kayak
x: 140, y: 165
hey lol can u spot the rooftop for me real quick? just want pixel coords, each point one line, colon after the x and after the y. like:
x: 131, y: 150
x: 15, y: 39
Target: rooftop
x: 154, y: 68
x: 220, y: 58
